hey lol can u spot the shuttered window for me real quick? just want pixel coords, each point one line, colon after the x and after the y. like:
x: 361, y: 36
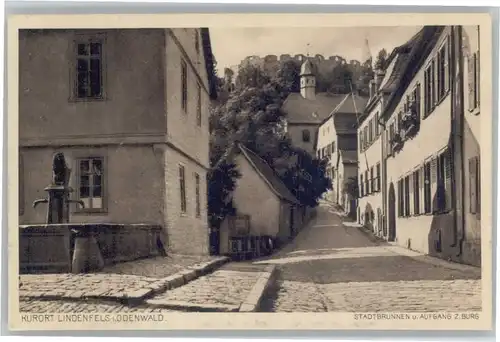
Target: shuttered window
x: 407, y: 195
x: 427, y: 188
x: 400, y: 198
x: 474, y: 186
x: 378, y: 177
x: 416, y: 192
x: 473, y: 80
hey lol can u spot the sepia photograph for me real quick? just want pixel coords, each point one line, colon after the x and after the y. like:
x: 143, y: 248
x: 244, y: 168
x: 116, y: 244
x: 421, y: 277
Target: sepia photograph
x: 264, y: 169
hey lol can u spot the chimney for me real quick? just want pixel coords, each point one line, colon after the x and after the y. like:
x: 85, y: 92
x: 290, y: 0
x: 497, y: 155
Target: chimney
x: 379, y: 76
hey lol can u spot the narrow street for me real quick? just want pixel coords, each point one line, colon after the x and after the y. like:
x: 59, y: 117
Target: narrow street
x: 332, y: 266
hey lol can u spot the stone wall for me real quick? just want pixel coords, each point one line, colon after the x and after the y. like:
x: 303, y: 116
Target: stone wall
x: 49, y: 248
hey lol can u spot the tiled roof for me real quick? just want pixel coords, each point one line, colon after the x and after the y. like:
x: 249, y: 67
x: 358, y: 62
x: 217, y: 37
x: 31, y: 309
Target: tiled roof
x: 268, y: 174
x: 209, y: 62
x: 410, y: 56
x: 301, y: 110
x: 349, y: 156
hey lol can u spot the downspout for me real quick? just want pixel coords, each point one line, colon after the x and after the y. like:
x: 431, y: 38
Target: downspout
x: 460, y: 236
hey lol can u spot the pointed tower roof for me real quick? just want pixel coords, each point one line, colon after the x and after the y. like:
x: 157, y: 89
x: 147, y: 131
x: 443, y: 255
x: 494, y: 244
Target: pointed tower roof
x: 306, y: 68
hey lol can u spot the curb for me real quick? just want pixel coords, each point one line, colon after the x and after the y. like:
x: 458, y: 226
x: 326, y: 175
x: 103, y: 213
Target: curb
x: 254, y: 298
x: 177, y: 280
x: 428, y: 259
x: 371, y: 236
x: 431, y: 260
x: 190, y: 307
x: 137, y: 296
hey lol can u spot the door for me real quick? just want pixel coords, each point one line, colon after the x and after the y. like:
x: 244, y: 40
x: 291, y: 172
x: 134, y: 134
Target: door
x: 392, y: 213
x: 292, y: 231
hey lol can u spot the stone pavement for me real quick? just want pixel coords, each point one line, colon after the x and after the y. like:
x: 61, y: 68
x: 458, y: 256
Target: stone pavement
x: 223, y: 290
x: 335, y: 267
x: 115, y: 284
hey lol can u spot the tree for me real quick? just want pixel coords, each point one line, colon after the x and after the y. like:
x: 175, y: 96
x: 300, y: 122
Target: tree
x: 340, y: 79
x: 288, y: 75
x: 381, y: 61
x: 252, y: 116
x: 222, y: 182
x: 351, y: 187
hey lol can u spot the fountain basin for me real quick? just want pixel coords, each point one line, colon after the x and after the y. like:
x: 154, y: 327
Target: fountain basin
x: 85, y: 247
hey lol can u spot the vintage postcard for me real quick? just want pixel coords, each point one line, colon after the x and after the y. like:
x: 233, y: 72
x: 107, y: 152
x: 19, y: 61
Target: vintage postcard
x: 250, y: 171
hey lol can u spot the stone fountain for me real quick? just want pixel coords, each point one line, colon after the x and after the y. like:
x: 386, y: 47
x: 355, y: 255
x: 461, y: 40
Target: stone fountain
x: 86, y: 255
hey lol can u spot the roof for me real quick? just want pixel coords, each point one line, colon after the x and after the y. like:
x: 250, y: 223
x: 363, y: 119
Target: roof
x: 349, y: 157
x: 347, y: 112
x: 268, y: 175
x: 411, y: 55
x: 306, y: 68
x: 301, y: 110
x: 209, y: 62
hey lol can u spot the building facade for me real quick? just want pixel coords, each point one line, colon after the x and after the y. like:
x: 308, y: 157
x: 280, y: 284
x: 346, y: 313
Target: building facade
x: 421, y: 130
x: 306, y: 111
x: 337, y: 142
x: 369, y: 175
x: 129, y: 110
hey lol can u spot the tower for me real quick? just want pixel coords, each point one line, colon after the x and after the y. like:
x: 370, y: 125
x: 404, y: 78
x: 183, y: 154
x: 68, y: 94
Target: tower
x: 307, y: 81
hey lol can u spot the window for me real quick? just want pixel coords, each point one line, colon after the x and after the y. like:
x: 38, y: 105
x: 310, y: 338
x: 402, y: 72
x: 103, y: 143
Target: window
x: 196, y: 41
x: 427, y: 188
x: 372, y: 181
x: 443, y: 182
x: 377, y: 128
x: 197, y: 187
x: 91, y: 183
x: 407, y: 196
x: 370, y: 131
x: 400, y: 198
x: 378, y: 177
x: 361, y: 186
x: 367, y: 183
x: 415, y: 98
x: 306, y: 135
x: 333, y: 146
x: 184, y: 90
x: 429, y: 85
x: 475, y: 186
x: 365, y: 137
x: 198, y: 105
x: 443, y: 74
x: 473, y: 80
x: 182, y: 184
x: 416, y: 192
x: 89, y: 83
x: 361, y: 141
x: 400, y: 120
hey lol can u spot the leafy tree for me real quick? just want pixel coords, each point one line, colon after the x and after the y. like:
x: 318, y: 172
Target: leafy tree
x: 288, y: 76
x: 381, y: 61
x: 351, y: 187
x: 222, y: 182
x: 252, y: 116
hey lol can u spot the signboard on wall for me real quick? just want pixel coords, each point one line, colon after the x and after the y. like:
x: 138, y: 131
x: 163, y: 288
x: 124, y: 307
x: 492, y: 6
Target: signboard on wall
x: 240, y: 225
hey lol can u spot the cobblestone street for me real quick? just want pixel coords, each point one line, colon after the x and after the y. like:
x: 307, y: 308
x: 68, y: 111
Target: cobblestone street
x: 335, y: 267
x: 329, y: 266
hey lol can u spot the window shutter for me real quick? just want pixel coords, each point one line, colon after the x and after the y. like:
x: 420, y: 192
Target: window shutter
x: 471, y: 81
x: 448, y: 179
x: 422, y: 189
x: 472, y: 185
x: 447, y: 65
x: 434, y: 202
x: 411, y: 200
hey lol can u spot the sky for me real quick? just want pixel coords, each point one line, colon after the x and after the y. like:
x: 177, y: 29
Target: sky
x: 230, y: 46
